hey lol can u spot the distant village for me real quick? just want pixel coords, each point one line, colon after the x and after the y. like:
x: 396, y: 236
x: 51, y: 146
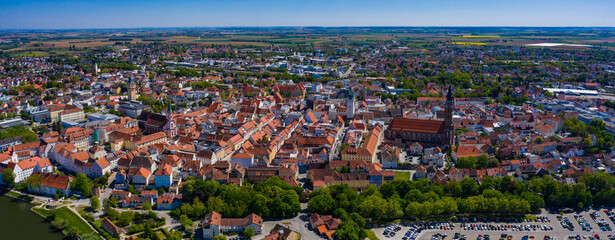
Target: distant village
x: 142, y: 120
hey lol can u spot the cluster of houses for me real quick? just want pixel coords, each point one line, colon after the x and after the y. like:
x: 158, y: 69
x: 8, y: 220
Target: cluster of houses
x: 151, y: 131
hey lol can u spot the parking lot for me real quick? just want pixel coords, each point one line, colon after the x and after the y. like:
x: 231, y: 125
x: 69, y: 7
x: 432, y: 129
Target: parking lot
x: 585, y: 225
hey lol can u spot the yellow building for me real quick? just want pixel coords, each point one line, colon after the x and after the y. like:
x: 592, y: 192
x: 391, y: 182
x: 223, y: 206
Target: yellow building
x: 132, y: 90
x: 74, y: 114
x: 117, y: 90
x: 144, y: 141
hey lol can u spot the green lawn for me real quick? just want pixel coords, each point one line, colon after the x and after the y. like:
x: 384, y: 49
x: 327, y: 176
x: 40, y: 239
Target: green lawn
x: 20, y: 196
x: 161, y: 235
x: 371, y: 235
x: 44, y: 212
x: 402, y: 175
x: 73, y: 220
x: 13, y: 194
x: 32, y: 54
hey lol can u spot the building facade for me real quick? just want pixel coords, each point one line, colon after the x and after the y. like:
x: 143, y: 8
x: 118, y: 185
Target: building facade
x: 407, y: 131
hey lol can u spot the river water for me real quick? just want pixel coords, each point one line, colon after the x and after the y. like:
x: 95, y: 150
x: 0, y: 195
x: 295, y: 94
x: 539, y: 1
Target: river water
x: 17, y: 222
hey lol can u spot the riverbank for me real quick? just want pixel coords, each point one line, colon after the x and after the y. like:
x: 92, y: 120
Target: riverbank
x: 73, y: 224
x: 19, y: 221
x: 18, y: 196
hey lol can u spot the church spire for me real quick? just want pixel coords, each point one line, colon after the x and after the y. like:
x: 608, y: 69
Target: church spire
x: 449, y: 95
x: 448, y: 116
x: 169, y: 110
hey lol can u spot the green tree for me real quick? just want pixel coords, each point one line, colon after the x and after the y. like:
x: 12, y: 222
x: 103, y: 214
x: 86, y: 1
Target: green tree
x: 413, y: 210
x: 112, y: 201
x: 469, y: 187
x: 125, y: 218
x: 220, y: 237
x: 348, y: 230
x: 248, y: 233
x: 374, y: 207
x: 94, y: 203
x: 132, y: 189
x: 147, y: 206
x: 59, y: 223
x: 111, y: 213
x: 323, y: 204
x: 8, y: 177
x: 466, y: 162
x: 360, y: 221
x: 342, y: 147
x: 83, y: 184
x: 58, y: 194
x: 72, y: 232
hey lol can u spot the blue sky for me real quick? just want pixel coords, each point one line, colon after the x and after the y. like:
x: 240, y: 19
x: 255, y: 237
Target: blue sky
x: 67, y: 14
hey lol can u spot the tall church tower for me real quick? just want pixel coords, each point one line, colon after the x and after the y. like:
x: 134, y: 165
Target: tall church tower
x: 132, y: 90
x: 448, y: 117
x: 350, y: 105
x: 96, y: 69
x: 170, y: 128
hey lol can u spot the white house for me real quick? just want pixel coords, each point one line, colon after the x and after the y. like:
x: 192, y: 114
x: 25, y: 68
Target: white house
x: 141, y: 177
x: 51, y: 183
x: 25, y: 168
x: 66, y: 154
x: 243, y: 159
x: 214, y: 224
x: 168, y: 201
x: 436, y: 159
x: 7, y: 157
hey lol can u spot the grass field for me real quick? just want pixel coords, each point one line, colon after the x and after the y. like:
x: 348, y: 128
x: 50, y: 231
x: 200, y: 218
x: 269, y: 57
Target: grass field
x: 73, y: 220
x: 31, y: 54
x: 233, y: 43
x: 402, y: 175
x: 37, y: 44
x: 20, y: 196
x: 67, y: 43
x: 43, y: 212
x: 371, y: 235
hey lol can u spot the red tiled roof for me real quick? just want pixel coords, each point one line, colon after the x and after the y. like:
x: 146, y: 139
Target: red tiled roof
x: 417, y: 125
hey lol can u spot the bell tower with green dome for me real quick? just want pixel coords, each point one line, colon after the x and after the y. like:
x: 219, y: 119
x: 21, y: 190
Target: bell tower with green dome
x: 132, y: 90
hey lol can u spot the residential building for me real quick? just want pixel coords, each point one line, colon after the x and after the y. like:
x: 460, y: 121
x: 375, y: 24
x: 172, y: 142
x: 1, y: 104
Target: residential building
x: 214, y: 224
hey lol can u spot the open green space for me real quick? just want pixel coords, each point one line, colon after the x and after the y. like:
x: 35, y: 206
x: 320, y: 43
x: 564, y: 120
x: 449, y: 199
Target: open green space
x: 31, y: 54
x: 73, y: 220
x: 402, y: 175
x: 20, y: 196
x: 43, y: 212
x: 371, y: 235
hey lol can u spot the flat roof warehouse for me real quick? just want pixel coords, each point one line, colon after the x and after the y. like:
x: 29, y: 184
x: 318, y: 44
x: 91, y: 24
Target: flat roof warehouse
x: 573, y: 91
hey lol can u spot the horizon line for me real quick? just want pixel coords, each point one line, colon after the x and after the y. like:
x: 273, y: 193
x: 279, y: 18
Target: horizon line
x: 315, y: 26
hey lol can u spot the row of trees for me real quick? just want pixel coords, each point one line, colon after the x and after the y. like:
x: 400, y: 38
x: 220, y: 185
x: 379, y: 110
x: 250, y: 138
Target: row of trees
x: 480, y: 162
x: 503, y: 195
x: 270, y: 199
